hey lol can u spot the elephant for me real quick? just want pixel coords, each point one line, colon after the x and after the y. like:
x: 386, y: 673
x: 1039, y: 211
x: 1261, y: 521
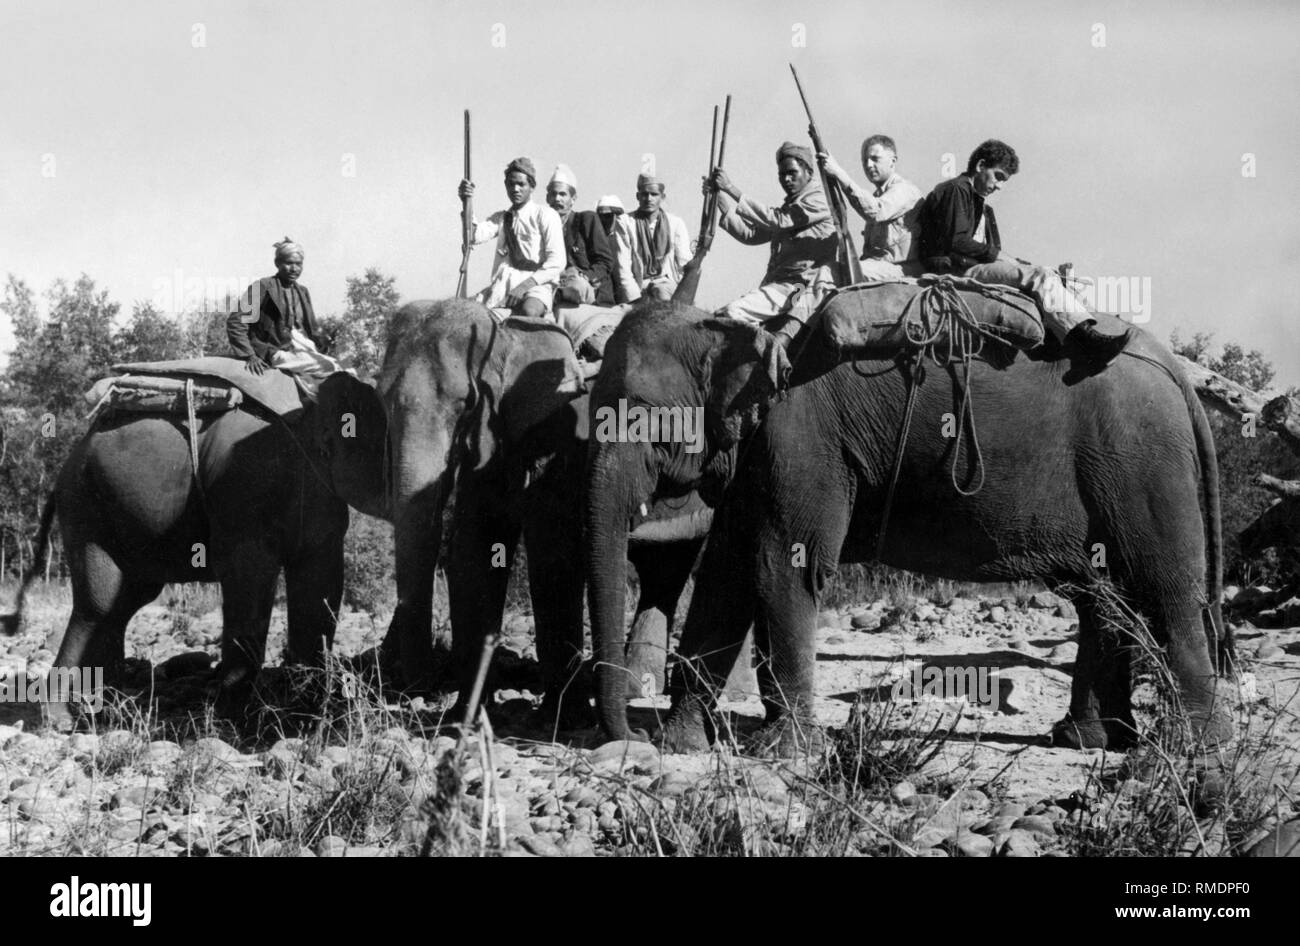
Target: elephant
x: 495, y: 413
x: 1084, y: 470
x: 271, y: 492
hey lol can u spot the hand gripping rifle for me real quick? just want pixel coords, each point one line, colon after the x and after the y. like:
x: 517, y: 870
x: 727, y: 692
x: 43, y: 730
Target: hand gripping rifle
x: 466, y: 224
x: 686, y: 289
x: 849, y: 272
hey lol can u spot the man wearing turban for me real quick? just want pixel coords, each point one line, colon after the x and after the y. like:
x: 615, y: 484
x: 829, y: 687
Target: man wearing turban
x: 800, y: 231
x: 658, y: 244
x: 589, y: 276
x: 618, y: 226
x: 274, y: 324
x: 530, y: 246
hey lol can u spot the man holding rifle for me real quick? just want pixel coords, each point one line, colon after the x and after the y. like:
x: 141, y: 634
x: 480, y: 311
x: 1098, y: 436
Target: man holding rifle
x: 530, y: 246
x: 891, y: 240
x: 802, y: 235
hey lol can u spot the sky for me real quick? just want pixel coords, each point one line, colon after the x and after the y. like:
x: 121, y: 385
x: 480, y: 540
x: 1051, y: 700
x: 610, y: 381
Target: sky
x: 151, y: 144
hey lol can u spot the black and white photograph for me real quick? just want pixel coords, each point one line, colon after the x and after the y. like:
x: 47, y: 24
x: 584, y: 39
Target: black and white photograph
x: 794, y: 428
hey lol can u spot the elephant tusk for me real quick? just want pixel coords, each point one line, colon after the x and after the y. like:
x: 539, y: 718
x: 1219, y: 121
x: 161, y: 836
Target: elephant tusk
x: 644, y: 511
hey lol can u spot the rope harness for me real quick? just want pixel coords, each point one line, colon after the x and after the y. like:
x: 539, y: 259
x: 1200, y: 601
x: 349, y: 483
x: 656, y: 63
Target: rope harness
x: 934, y: 315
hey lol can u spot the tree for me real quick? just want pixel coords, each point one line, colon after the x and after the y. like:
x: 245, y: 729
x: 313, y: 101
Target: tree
x: 360, y: 334
x: 151, y: 336
x: 1242, y: 451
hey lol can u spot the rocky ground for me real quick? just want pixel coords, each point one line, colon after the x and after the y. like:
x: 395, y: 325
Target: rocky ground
x: 898, y: 777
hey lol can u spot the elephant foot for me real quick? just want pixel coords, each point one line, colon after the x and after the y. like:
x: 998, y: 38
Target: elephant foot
x: 568, y: 711
x: 60, y: 717
x: 687, y: 728
x: 1112, y: 734
x: 787, y: 737
x: 232, y: 692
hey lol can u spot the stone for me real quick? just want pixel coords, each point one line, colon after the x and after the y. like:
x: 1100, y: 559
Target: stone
x: 83, y: 742
x: 766, y: 784
x: 579, y: 846
x: 866, y: 621
x: 1011, y: 809
x: 1282, y: 841
x: 1067, y: 610
x: 997, y: 614
x: 1064, y: 652
x: 828, y: 619
x: 217, y: 749
x: 539, y: 846
x: 622, y: 752
x: 970, y: 799
x: 1267, y: 650
x: 1044, y: 600
x: 1020, y: 843
x: 970, y: 844
x: 961, y: 605
x: 330, y: 846
x: 1036, y: 824
x: 136, y: 796
x: 902, y: 792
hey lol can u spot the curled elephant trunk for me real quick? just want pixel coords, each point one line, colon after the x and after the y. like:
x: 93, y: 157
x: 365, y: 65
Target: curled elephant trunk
x: 614, y: 489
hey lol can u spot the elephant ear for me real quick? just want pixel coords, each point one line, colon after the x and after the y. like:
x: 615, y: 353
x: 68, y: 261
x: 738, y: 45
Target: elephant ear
x: 741, y: 372
x: 529, y: 378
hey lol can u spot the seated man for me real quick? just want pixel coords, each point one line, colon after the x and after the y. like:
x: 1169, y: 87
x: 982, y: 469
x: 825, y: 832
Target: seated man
x: 660, y: 246
x: 802, y: 235
x: 530, y: 246
x: 959, y: 234
x: 589, y: 277
x: 274, y: 324
x: 618, y: 230
x: 890, y: 246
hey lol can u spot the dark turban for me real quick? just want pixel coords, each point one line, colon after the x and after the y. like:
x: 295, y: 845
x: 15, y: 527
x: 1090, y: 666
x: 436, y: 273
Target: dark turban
x: 798, y: 152
x: 526, y: 166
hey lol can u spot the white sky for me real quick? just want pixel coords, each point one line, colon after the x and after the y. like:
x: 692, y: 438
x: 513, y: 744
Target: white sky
x: 167, y: 156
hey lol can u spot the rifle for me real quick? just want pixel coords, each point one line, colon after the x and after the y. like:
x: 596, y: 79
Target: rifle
x: 690, y: 283
x: 466, y: 224
x: 850, y: 272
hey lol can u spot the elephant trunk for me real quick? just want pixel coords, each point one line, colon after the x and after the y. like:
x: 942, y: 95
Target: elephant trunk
x: 421, y: 475
x: 613, y: 492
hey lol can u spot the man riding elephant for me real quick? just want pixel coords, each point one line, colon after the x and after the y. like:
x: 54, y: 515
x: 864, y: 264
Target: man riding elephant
x: 802, y: 237
x: 274, y: 324
x: 529, y: 246
x: 959, y: 234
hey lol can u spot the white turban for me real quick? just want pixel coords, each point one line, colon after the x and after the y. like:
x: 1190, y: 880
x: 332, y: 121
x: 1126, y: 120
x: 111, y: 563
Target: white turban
x: 564, y: 175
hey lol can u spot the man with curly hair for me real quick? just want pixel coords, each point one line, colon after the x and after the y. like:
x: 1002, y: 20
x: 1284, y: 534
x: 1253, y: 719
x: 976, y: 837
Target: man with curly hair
x: 959, y: 234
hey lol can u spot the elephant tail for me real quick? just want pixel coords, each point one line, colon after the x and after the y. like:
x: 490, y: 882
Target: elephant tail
x: 10, y: 623
x: 1217, y: 631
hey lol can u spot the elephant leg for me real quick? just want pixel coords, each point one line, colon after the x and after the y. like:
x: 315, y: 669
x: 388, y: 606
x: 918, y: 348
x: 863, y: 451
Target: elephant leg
x: 555, y: 580
x: 1178, y: 624
x: 478, y: 573
x: 1100, y: 715
x: 662, y: 571
x: 313, y: 590
x: 248, y: 578
x: 722, y: 608
x: 104, y: 601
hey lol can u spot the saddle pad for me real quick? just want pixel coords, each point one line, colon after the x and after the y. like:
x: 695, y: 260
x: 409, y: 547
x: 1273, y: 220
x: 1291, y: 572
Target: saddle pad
x: 273, y: 389
x: 897, y: 315
x: 159, y: 394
